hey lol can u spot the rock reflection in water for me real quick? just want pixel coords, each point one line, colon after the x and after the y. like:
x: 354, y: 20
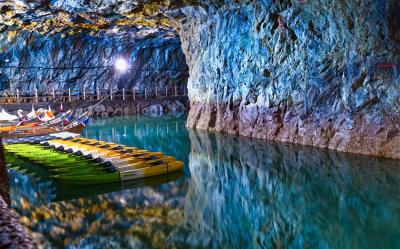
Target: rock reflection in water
x: 241, y: 193
x: 4, y: 179
x: 247, y: 193
x: 147, y: 217
x: 144, y: 217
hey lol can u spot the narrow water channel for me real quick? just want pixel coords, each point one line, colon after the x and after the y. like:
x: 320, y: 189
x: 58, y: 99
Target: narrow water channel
x: 235, y: 192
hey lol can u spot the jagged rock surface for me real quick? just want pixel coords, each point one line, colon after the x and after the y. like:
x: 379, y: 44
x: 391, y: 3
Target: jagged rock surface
x: 31, y: 60
x: 317, y: 73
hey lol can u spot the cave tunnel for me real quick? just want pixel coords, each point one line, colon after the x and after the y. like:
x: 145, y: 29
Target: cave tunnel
x: 200, y: 124
x: 153, y: 58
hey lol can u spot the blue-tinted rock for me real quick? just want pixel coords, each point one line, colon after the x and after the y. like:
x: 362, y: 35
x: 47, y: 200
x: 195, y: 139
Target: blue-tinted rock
x: 318, y: 60
x: 31, y: 60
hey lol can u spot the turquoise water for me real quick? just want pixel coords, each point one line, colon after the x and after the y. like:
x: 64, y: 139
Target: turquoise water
x: 235, y: 193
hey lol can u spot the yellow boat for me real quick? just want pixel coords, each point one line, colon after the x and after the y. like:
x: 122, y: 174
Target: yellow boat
x: 86, y: 161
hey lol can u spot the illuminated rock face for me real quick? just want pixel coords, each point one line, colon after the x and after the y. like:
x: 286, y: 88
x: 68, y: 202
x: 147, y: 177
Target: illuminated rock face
x: 81, y: 60
x: 317, y: 73
x: 245, y: 193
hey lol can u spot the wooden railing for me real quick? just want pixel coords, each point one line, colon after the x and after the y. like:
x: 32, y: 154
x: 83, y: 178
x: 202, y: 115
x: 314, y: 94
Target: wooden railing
x: 69, y: 95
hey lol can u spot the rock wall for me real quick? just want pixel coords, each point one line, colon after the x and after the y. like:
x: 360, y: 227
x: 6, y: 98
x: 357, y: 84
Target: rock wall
x: 151, y: 107
x: 318, y: 73
x: 30, y: 59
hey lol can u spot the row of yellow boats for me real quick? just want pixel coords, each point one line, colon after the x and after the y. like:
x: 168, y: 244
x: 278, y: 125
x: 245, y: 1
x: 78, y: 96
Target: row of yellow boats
x: 82, y: 161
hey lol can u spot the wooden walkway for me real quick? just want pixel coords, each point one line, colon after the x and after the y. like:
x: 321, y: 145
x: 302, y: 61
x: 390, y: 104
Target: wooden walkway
x: 19, y: 97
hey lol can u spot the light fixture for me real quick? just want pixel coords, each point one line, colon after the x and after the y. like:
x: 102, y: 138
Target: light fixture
x: 121, y: 65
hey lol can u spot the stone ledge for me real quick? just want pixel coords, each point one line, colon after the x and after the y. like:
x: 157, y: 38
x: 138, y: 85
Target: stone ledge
x: 354, y: 133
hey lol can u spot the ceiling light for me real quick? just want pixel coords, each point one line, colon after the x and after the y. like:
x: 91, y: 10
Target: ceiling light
x: 121, y: 65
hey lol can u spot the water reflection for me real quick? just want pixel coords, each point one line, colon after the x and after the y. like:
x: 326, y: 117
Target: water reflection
x: 237, y: 193
x: 4, y: 179
x: 141, y: 214
x: 246, y: 193
x: 167, y: 134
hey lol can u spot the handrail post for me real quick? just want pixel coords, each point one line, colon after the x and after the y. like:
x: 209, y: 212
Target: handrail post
x: 123, y: 93
x: 84, y: 93
x: 134, y: 93
x: 18, y: 100
x: 145, y: 93
x: 54, y: 93
x: 69, y: 95
x: 176, y: 90
x: 111, y: 93
x: 166, y: 91
x: 98, y: 93
x: 36, y: 96
x: 156, y: 92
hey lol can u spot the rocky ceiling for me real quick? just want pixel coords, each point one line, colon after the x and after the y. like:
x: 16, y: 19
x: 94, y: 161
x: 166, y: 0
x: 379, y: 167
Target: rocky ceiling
x: 94, y: 17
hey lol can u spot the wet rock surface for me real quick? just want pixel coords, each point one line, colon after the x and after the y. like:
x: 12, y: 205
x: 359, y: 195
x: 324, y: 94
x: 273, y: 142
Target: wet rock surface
x: 12, y: 234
